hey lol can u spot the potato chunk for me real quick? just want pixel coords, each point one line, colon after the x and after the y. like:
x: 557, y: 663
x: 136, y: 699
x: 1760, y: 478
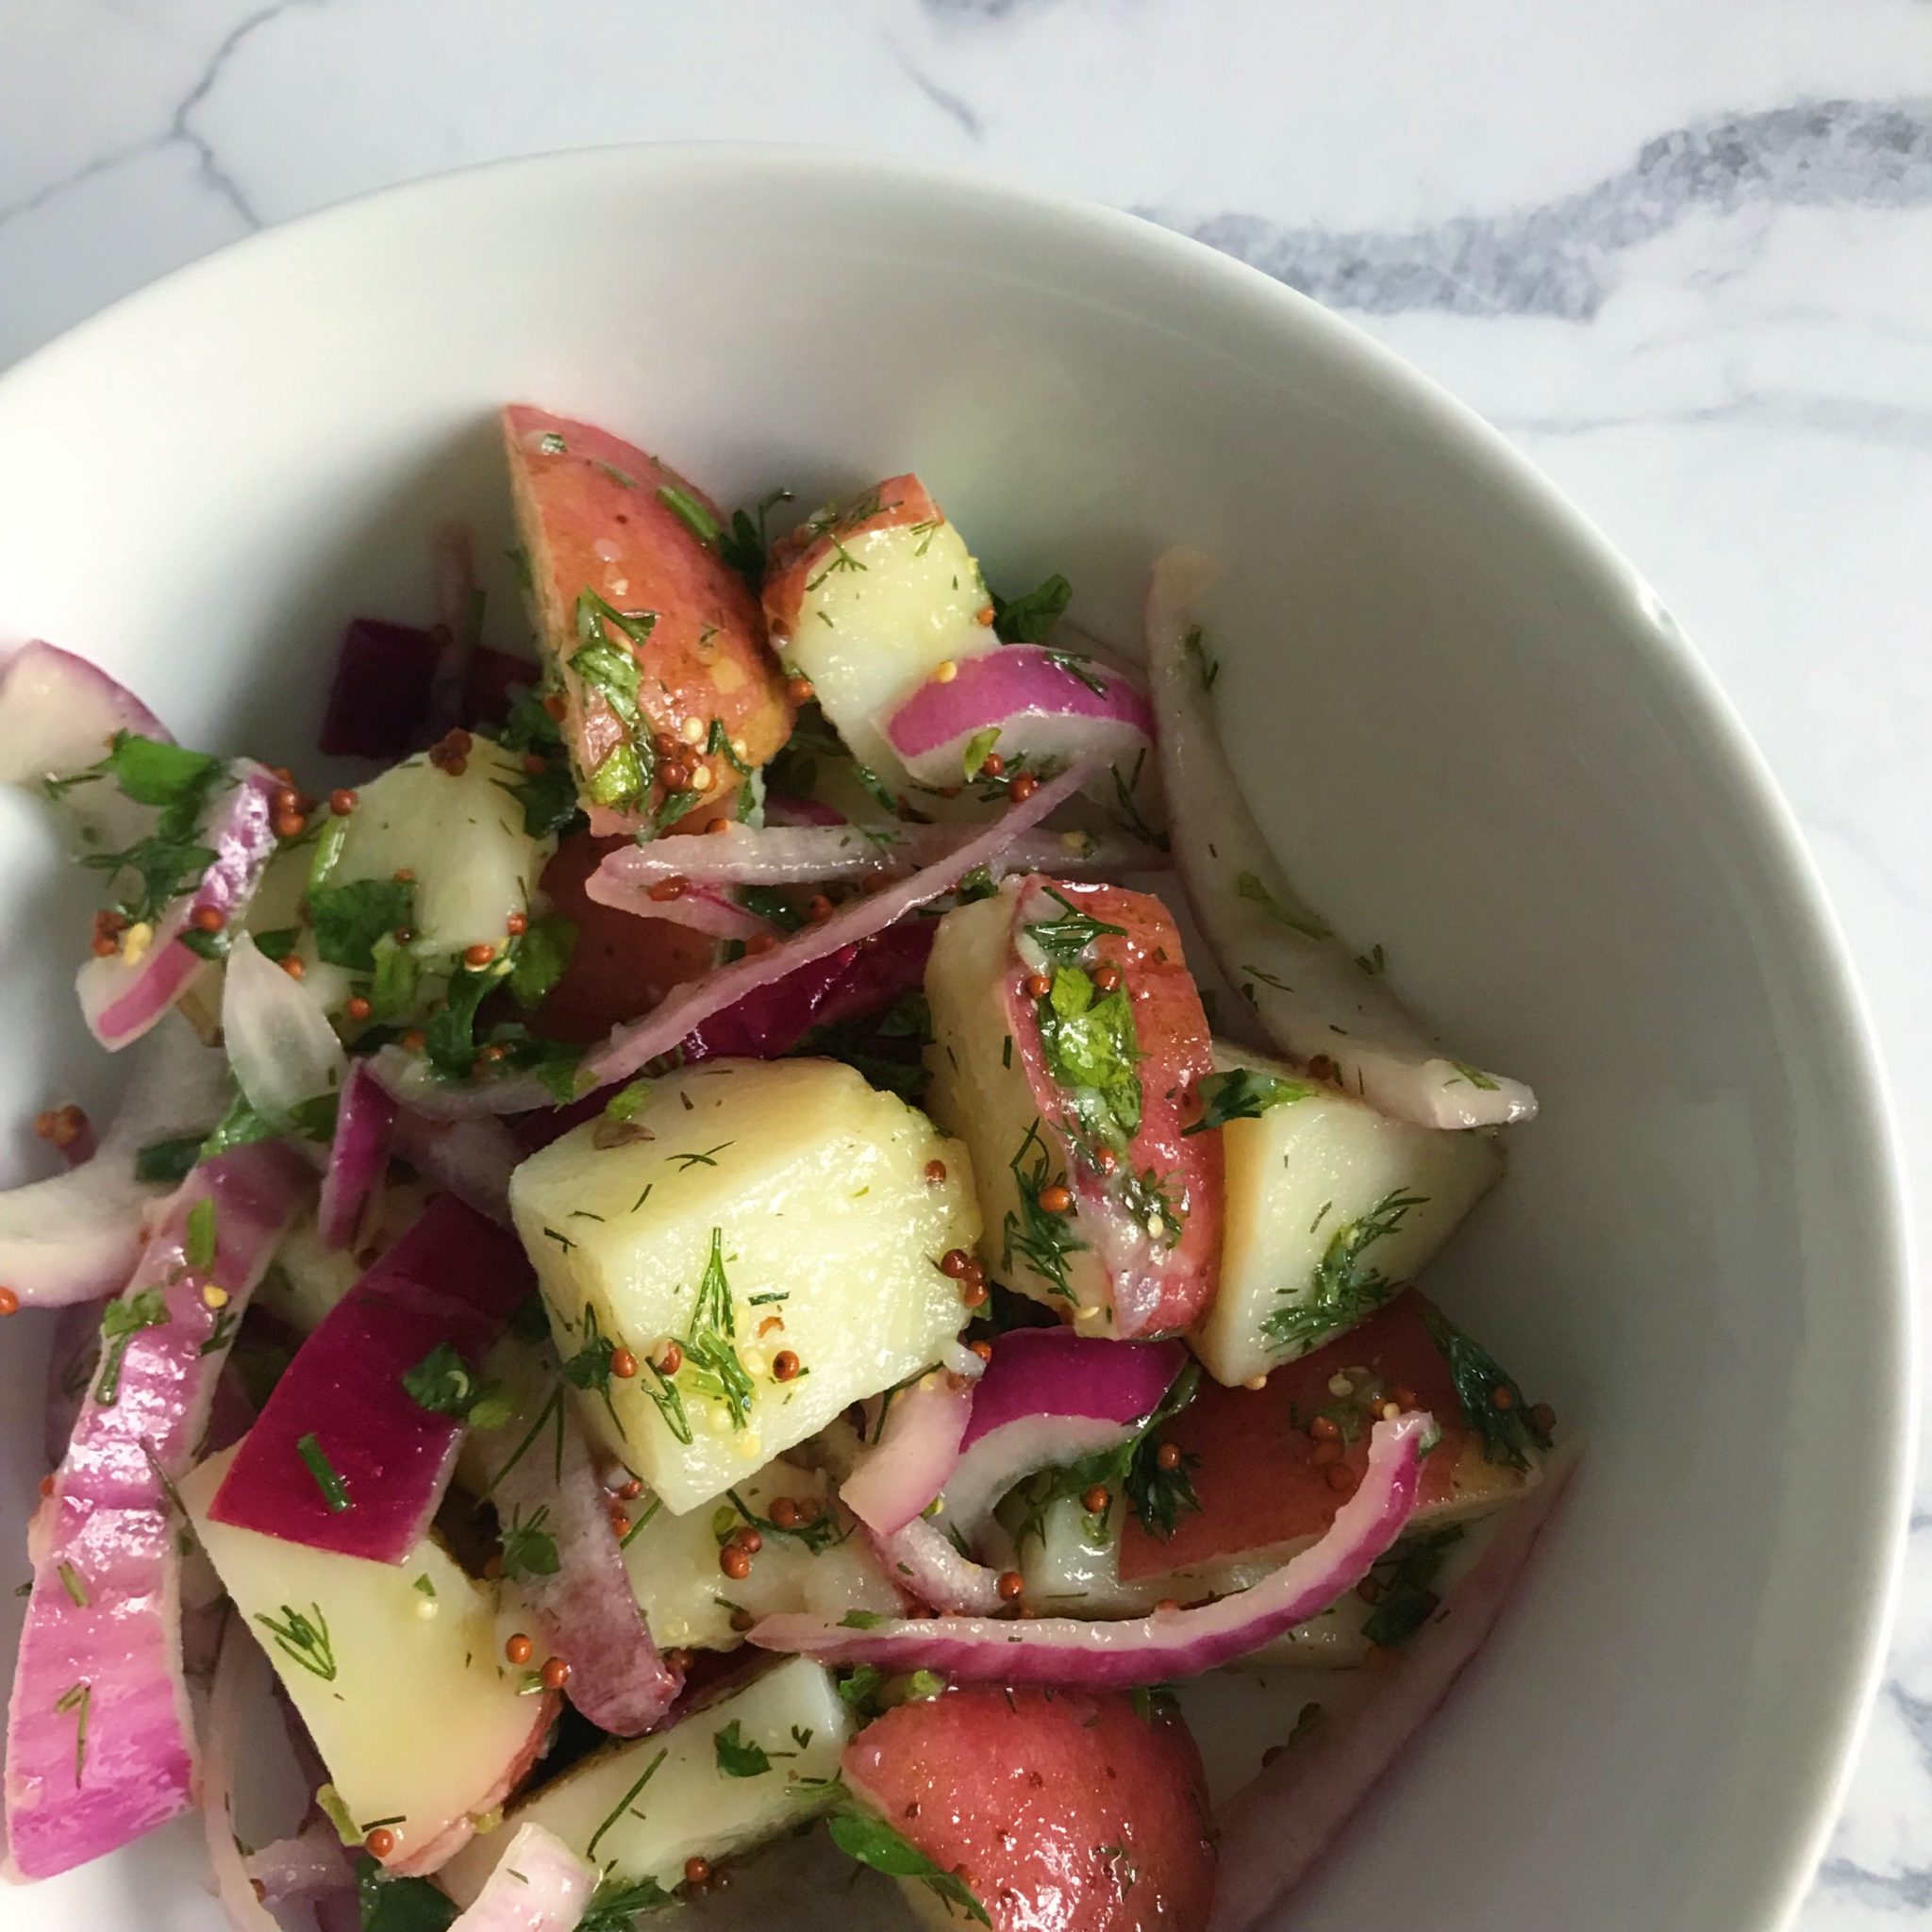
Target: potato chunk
x: 773, y: 1220
x: 724, y: 1778
x: 866, y: 600
x: 395, y: 1668
x: 1330, y: 1207
x: 822, y: 1567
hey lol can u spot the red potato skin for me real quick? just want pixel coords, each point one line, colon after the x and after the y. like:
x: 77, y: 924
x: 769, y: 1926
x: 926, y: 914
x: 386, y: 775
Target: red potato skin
x: 1172, y: 1026
x: 1064, y: 1810
x: 798, y: 557
x: 592, y: 519
x: 1257, y: 1478
x: 622, y: 966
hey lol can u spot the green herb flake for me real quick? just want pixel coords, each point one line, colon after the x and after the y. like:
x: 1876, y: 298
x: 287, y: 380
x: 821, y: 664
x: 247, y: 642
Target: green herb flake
x: 328, y: 1479
x: 198, y: 1249
x: 1243, y: 1095
x: 1028, y: 619
x: 625, y: 1803
x: 397, y: 1905
x: 1490, y: 1400
x: 350, y: 919
x: 1251, y: 887
x: 528, y: 1548
x: 78, y: 1699
x: 121, y: 1322
x: 167, y: 1163
x: 303, y: 1637
x: 540, y: 958
x: 873, y: 1841
x: 1346, y: 1287
x: 978, y: 747
x: 736, y: 1756
x: 1206, y: 666
x: 691, y: 513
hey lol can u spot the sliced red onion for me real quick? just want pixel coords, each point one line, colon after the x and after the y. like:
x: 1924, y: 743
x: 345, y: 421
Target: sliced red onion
x: 101, y: 1648
x: 586, y: 1610
x: 540, y: 1885
x: 817, y: 855
x: 75, y: 1237
x: 241, y: 1682
x: 925, y: 1563
x: 470, y: 1159
x: 357, y: 1156
x: 311, y: 1864
x: 1048, y: 1398
x: 630, y: 1046
x: 1280, y: 1824
x: 58, y: 715
x: 1034, y: 703
x: 278, y: 1040
x: 700, y: 905
x: 123, y: 994
x: 1304, y: 983
x: 782, y: 809
x: 1141, y: 1649
x: 906, y: 1468
x: 344, y: 1457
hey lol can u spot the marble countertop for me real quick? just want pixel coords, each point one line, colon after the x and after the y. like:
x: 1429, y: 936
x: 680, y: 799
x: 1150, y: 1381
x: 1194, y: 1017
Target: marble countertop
x: 1681, y: 254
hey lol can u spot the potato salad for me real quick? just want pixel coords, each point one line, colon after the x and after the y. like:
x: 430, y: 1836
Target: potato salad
x: 745, y: 1206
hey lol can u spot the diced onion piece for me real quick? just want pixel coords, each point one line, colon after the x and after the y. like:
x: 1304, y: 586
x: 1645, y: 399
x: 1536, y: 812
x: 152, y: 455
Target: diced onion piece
x: 98, y: 1744
x: 1036, y: 703
x: 278, y: 1040
x: 1049, y: 1398
x: 1141, y: 1650
x: 345, y: 1458
x: 74, y: 1235
x: 357, y: 1156
x: 123, y: 994
x: 1307, y: 989
x: 585, y: 1608
x: 241, y: 1680
x: 540, y: 1885
x: 906, y: 1468
x: 470, y: 1159
x: 1279, y: 1825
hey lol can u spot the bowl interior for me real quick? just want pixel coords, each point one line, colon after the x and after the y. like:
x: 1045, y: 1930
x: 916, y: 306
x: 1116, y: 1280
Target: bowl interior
x: 1470, y: 731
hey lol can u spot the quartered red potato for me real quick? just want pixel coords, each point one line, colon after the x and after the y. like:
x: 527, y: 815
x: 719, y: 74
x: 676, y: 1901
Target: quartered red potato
x: 1069, y: 1044
x: 654, y: 636
x: 748, y: 1248
x: 1058, y: 1810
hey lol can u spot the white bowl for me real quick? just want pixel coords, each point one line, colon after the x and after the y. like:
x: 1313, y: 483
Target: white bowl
x: 1474, y: 734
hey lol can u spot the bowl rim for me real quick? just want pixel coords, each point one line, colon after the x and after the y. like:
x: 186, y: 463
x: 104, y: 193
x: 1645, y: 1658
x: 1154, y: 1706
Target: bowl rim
x: 1815, y: 938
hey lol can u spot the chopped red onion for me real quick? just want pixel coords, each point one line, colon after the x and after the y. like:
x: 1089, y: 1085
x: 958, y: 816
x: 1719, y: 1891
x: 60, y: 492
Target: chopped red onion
x: 343, y: 1457
x: 923, y: 1562
x: 1139, y: 1650
x: 123, y: 994
x: 905, y: 1468
x: 356, y: 1158
x: 74, y: 1235
x: 540, y: 1885
x: 586, y: 1610
x: 470, y: 1159
x: 1035, y: 705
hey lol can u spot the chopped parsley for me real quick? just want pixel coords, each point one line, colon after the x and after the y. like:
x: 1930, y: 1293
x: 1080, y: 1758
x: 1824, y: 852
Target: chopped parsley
x: 539, y: 957
x: 744, y: 546
x: 442, y: 1384
x: 400, y: 1905
x: 1404, y: 1600
x: 1028, y: 619
x: 1242, y: 1095
x: 350, y: 919
x: 198, y: 1244
x: 167, y: 1162
x: 1091, y: 1049
x: 691, y: 513
x: 171, y: 858
x: 618, y: 1900
x: 1345, y: 1286
x: 608, y: 670
x: 548, y: 795
x: 1490, y: 1400
x: 737, y: 1758
x: 873, y: 1841
x: 528, y: 1548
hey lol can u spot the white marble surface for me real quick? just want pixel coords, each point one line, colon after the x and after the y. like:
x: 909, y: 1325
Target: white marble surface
x: 1681, y: 253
